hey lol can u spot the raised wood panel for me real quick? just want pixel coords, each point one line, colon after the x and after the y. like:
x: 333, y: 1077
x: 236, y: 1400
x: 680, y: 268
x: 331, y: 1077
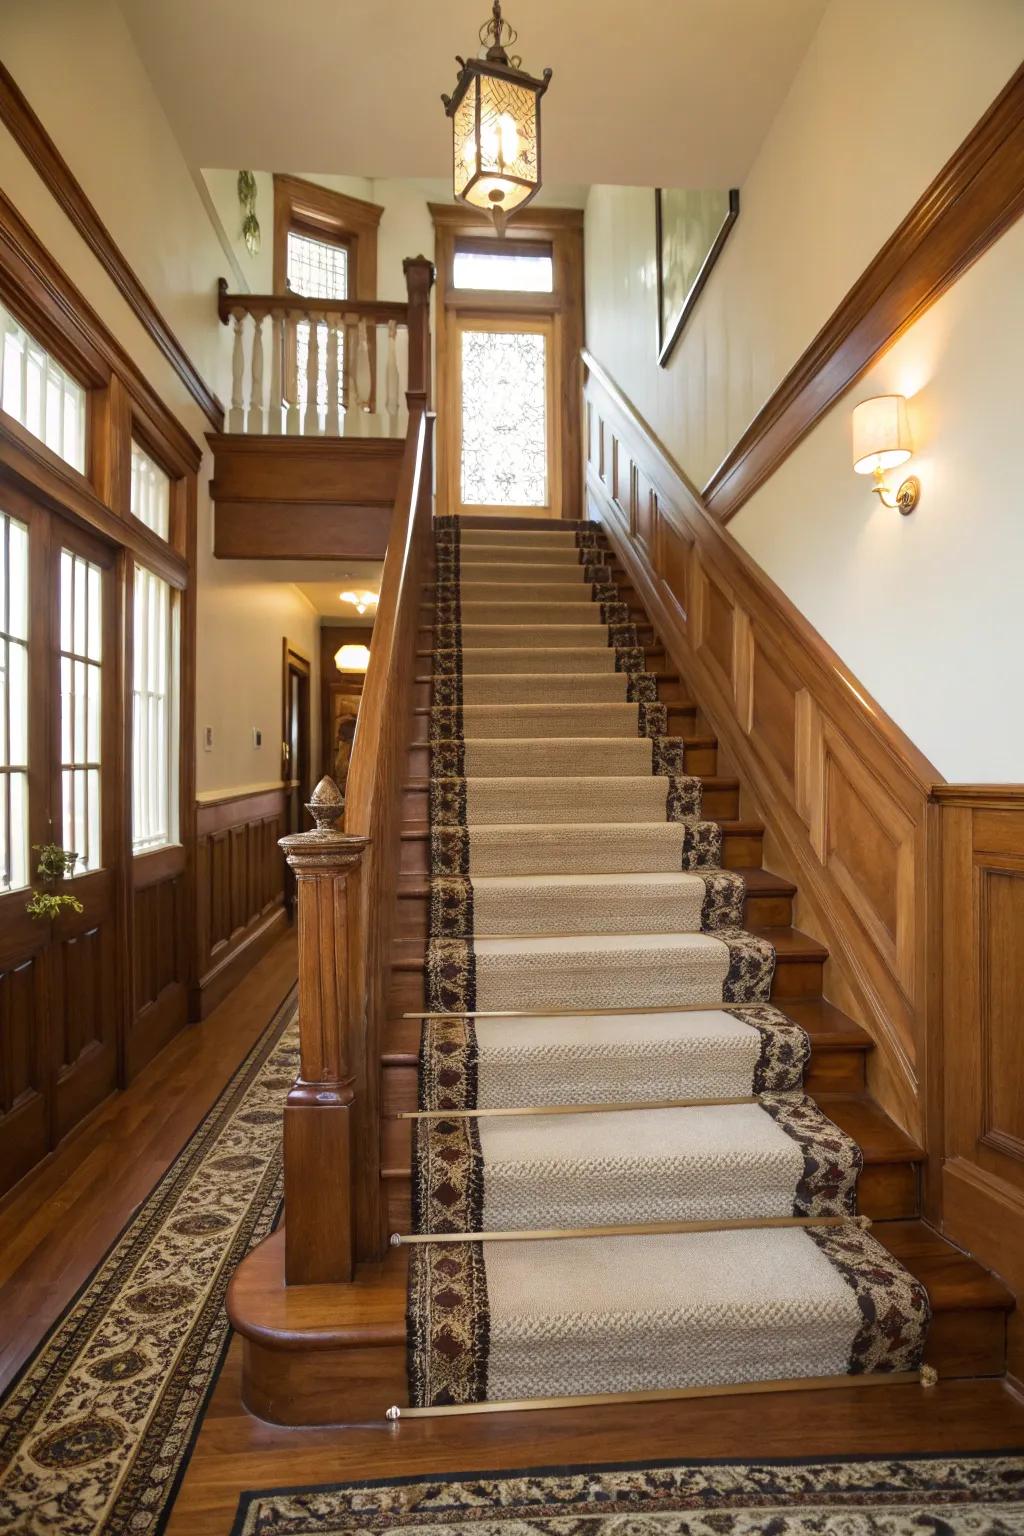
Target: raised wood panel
x: 843, y: 793
x: 645, y: 510
x: 24, y: 1085
x: 239, y: 888
x: 1000, y: 900
x: 773, y: 708
x: 672, y: 552
x: 83, y: 1025
x: 159, y: 939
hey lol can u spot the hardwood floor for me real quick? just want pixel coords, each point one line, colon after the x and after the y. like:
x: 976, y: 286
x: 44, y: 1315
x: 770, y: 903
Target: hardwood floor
x: 235, y: 1451
x: 58, y: 1222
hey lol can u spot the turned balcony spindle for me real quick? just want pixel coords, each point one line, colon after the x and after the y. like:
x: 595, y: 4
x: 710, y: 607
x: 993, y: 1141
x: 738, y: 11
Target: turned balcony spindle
x: 332, y: 421
x: 293, y: 417
x: 255, y: 422
x: 353, y: 423
x: 391, y: 382
x: 236, y: 415
x: 319, y: 1145
x: 276, y: 363
x: 311, y: 420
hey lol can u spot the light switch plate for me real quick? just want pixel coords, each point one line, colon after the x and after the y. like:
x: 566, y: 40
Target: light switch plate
x: 257, y: 736
x: 207, y: 738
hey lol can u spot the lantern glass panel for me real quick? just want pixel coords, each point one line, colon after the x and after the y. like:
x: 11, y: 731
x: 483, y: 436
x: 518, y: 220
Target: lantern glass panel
x: 464, y: 124
x: 495, y: 143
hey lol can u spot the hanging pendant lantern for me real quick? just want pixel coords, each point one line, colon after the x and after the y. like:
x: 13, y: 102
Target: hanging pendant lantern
x: 495, y: 113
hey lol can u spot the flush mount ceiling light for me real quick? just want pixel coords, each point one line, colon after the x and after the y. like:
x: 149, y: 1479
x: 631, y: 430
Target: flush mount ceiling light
x: 359, y: 600
x: 495, y: 113
x: 881, y: 441
x: 352, y: 658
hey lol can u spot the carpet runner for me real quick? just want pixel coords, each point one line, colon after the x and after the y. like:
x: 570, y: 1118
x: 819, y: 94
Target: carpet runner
x: 576, y: 887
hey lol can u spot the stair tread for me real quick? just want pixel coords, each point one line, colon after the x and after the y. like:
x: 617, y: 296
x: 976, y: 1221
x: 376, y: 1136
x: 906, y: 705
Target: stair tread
x: 413, y: 830
x: 371, y: 1310
x: 759, y: 882
x: 789, y: 944
x: 827, y: 1027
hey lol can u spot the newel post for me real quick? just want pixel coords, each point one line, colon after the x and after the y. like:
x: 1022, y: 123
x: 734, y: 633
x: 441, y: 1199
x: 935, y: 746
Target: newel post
x: 318, y: 1140
x: 419, y: 279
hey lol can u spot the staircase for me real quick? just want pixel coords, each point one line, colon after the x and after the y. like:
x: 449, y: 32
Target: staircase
x: 641, y: 836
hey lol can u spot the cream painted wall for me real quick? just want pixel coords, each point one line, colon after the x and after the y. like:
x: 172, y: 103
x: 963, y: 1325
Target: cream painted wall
x: 405, y: 225
x: 884, y: 95
x: 75, y: 62
x: 927, y: 610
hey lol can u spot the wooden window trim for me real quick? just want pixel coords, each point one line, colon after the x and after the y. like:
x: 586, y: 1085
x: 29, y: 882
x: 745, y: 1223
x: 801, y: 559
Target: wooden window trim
x: 327, y: 215
x: 560, y: 231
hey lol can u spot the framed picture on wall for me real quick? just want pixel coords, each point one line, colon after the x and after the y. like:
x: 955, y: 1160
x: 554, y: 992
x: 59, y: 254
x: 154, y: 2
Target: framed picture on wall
x: 690, y: 231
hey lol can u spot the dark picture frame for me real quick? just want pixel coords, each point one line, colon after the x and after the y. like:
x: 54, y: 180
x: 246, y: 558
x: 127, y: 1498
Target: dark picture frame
x: 670, y: 326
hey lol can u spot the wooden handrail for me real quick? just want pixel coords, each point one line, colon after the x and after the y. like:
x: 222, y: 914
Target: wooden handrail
x: 259, y: 305
x: 335, y: 1212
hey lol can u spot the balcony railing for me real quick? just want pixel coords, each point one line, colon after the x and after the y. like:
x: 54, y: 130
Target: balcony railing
x: 326, y: 367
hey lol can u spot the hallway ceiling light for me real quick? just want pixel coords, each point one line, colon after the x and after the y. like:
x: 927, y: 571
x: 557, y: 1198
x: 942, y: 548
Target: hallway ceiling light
x: 359, y: 600
x: 881, y: 440
x: 352, y: 658
x: 495, y: 113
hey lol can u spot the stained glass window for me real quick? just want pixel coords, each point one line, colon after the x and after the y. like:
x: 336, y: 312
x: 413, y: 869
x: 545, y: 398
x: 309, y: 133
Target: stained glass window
x: 504, y: 419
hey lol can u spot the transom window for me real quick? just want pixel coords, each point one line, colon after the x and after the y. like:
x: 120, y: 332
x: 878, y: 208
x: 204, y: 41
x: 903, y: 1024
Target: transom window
x: 81, y: 682
x: 154, y: 715
x: 526, y: 270
x: 40, y: 393
x: 13, y: 704
x: 151, y: 492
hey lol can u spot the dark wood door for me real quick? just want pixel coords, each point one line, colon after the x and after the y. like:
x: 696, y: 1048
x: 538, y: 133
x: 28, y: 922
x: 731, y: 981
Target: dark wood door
x: 60, y: 986
x: 295, y: 751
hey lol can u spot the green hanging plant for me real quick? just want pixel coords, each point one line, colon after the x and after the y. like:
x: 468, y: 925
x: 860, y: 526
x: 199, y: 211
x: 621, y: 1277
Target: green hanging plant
x: 54, y: 863
x: 250, y: 223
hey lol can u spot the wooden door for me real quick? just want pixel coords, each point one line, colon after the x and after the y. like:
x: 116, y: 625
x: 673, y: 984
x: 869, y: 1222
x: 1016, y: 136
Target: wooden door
x: 295, y: 750
x: 507, y: 441
x: 60, y: 982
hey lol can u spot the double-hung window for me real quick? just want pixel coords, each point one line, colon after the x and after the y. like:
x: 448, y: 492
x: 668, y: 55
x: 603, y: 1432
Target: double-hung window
x: 13, y: 703
x: 40, y: 393
x: 154, y: 713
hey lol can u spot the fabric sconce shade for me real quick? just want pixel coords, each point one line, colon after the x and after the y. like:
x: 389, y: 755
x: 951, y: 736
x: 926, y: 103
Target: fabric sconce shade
x: 352, y: 658
x: 881, y: 434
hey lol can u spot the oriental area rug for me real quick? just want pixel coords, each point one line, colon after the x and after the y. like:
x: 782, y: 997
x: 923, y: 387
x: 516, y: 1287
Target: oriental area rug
x: 96, y: 1429
x: 937, y: 1495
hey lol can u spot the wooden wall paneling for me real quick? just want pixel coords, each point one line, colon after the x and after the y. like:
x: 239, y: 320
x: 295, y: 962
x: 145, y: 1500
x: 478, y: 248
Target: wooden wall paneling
x: 843, y: 794
x: 982, y: 951
x: 25, y: 1051
x: 975, y: 197
x: 239, y: 887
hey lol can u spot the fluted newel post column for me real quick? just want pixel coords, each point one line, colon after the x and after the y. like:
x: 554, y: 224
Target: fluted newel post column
x: 318, y: 1138
x: 419, y: 279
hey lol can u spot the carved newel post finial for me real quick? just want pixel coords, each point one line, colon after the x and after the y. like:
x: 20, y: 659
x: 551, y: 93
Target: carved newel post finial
x: 326, y: 805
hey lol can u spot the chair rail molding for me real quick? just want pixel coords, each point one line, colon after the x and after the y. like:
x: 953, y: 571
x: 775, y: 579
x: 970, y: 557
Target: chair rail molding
x: 43, y: 154
x: 843, y: 793
x: 973, y: 200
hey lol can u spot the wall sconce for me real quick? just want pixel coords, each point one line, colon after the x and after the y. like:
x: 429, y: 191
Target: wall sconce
x: 359, y: 600
x: 352, y: 658
x: 881, y: 440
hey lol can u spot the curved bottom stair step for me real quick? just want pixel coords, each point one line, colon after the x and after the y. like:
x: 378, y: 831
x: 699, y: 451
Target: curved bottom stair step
x: 339, y: 1351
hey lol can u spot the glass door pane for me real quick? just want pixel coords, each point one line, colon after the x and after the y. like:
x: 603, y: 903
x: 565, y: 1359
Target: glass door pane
x: 81, y: 679
x: 505, y: 413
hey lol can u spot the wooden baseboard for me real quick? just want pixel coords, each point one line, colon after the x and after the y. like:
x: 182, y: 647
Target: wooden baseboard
x: 215, y: 984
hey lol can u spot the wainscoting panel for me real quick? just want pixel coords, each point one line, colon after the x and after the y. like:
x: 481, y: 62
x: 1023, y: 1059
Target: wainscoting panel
x: 983, y: 1042
x: 239, y: 888
x: 843, y: 794
x: 159, y: 926
x: 24, y: 1067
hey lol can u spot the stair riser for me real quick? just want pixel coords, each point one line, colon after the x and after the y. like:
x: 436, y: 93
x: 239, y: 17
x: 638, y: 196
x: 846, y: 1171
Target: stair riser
x: 885, y: 1192
x: 697, y: 759
x: 758, y: 912
x: 671, y: 693
x: 718, y: 805
x: 844, y: 1073
x: 682, y: 721
x: 425, y: 637
x: 741, y: 850
x: 793, y: 979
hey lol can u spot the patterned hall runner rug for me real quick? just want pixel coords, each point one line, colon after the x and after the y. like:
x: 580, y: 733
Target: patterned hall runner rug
x: 905, y: 1496
x: 97, y: 1428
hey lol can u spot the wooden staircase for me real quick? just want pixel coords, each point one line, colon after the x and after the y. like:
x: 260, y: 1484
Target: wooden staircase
x: 336, y: 1352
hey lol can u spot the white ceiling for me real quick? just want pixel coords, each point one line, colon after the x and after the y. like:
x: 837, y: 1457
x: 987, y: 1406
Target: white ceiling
x: 645, y: 92
x: 325, y: 596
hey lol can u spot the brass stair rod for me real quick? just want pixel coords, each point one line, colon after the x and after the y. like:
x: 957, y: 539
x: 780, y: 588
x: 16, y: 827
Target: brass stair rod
x: 648, y: 1229
x: 569, y: 1109
x: 579, y: 1013
x: 927, y: 1376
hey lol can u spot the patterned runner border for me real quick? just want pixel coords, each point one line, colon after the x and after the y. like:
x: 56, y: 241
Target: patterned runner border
x: 96, y: 1429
